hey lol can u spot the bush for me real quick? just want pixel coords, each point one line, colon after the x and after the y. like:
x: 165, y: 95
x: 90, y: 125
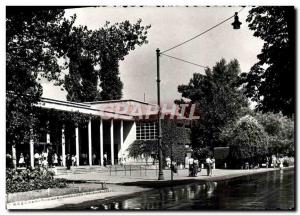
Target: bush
x: 27, y: 180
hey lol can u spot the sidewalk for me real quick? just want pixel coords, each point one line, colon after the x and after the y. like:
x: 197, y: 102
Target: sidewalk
x: 139, y: 181
x: 119, y: 177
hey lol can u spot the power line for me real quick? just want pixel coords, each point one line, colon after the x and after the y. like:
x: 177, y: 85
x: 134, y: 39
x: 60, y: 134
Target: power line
x: 176, y: 58
x: 198, y: 35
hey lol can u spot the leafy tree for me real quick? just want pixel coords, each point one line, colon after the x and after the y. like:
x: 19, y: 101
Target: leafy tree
x: 145, y: 148
x: 219, y: 101
x: 280, y: 130
x: 30, y: 32
x: 247, y: 141
x: 271, y: 81
x: 103, y: 49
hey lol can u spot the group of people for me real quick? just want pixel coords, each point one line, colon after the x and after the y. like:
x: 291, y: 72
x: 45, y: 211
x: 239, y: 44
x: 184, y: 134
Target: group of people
x: 195, y: 168
x: 46, y: 159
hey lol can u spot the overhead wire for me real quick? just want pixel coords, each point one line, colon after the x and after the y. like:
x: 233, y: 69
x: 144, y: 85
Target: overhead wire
x: 189, y: 62
x: 204, y: 32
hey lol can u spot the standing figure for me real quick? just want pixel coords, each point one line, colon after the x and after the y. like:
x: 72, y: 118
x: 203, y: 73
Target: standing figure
x: 94, y: 158
x: 208, y: 162
x: 21, y: 160
x: 68, y: 161
x: 105, y: 159
x: 168, y: 161
x: 55, y: 159
x: 27, y: 160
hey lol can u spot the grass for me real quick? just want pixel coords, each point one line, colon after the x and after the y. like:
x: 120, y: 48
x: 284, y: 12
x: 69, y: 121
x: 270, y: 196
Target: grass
x: 44, y: 193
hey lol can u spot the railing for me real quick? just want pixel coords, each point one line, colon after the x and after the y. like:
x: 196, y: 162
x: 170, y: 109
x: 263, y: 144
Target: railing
x: 129, y: 170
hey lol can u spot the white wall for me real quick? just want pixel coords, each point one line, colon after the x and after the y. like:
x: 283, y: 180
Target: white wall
x: 129, y: 139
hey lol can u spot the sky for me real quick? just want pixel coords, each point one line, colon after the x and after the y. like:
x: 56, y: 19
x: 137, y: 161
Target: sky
x: 169, y: 27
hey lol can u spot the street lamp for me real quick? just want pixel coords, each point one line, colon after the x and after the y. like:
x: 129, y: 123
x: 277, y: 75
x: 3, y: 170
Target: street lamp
x: 236, y: 25
x: 160, y: 171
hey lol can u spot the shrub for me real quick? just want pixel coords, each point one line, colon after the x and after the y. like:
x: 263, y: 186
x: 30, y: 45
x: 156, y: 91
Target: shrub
x: 27, y: 180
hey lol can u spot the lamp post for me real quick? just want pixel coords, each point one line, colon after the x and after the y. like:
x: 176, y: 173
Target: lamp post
x: 236, y: 25
x: 160, y: 171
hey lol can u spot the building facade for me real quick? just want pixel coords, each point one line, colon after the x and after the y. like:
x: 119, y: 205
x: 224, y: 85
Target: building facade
x: 117, y: 124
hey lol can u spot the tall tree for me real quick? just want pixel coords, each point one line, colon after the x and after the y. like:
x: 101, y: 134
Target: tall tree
x: 30, y: 32
x: 271, y: 81
x: 102, y: 48
x: 219, y: 101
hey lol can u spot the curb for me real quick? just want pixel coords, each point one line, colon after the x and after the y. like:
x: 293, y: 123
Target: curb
x: 57, y: 197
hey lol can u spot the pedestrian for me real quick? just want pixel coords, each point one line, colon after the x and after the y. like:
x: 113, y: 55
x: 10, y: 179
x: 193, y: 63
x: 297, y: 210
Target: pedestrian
x: 27, y: 160
x: 55, y: 159
x: 21, y: 160
x: 50, y: 158
x: 60, y: 160
x: 191, y: 166
x: 73, y: 160
x: 94, y: 158
x: 68, y: 161
x: 208, y: 165
x: 44, y: 162
x: 168, y: 161
x: 105, y: 159
x: 36, y: 158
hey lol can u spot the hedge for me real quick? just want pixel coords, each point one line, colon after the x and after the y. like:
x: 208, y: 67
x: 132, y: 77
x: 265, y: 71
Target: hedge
x: 27, y: 180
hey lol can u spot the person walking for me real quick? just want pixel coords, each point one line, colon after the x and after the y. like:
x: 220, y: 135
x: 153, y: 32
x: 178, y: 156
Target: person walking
x: 208, y: 162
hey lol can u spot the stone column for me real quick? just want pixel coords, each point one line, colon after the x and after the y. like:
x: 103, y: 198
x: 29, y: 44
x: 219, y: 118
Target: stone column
x: 90, y: 141
x: 112, y: 157
x: 14, y: 155
x: 121, y: 137
x: 31, y: 148
x: 63, y: 145
x: 77, y: 144
x: 101, y: 142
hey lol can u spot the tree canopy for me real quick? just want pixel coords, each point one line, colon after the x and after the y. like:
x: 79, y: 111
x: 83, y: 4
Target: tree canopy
x: 271, y: 81
x: 40, y: 38
x: 219, y: 101
x: 94, y: 59
x: 30, y: 54
x: 280, y: 130
x: 248, y: 142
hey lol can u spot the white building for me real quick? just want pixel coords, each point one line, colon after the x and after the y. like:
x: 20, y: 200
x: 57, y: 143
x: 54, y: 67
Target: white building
x: 118, y: 124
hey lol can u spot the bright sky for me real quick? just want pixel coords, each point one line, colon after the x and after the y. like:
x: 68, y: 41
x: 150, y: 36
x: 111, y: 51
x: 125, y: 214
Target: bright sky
x: 170, y: 26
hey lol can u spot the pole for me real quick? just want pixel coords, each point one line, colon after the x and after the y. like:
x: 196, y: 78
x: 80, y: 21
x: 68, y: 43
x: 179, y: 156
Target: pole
x: 160, y: 171
x: 171, y: 161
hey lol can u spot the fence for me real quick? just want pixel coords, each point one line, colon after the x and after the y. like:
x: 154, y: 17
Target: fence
x: 130, y: 170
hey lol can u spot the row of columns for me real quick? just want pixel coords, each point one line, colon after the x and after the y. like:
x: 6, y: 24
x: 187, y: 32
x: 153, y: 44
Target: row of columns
x: 63, y: 143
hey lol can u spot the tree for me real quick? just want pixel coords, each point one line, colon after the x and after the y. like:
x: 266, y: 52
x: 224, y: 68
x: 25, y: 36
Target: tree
x: 247, y: 141
x: 219, y: 101
x: 30, y: 32
x: 271, y: 81
x: 280, y: 130
x: 103, y: 49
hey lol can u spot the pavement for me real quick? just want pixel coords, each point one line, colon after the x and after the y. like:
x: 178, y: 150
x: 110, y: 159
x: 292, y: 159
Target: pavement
x: 120, y: 177
x: 139, y: 181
